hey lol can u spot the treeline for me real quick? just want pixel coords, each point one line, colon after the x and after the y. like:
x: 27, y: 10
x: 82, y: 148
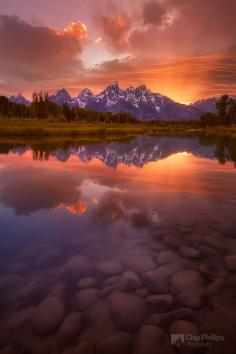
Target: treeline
x: 226, y: 113
x: 42, y: 108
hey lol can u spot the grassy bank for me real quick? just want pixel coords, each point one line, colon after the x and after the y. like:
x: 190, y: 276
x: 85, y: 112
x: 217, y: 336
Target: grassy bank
x: 44, y: 128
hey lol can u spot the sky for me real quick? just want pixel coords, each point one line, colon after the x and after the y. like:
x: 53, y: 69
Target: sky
x: 184, y: 49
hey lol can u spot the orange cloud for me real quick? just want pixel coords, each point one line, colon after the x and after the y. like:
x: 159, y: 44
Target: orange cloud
x: 78, y: 208
x: 116, y: 31
x: 33, y: 52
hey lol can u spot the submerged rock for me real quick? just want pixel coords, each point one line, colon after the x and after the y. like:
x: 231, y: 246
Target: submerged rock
x: 70, y: 327
x: 138, y: 263
x: 129, y: 281
x: 117, y: 344
x: 127, y: 311
x: 77, y: 267
x: 189, y: 252
x: 187, y: 281
x: 190, y: 300
x: 85, y: 298
x: 169, y: 317
x: 162, y: 302
x: 88, y: 282
x: 151, y: 340
x: 48, y: 316
x: 189, y: 331
x: 230, y: 263
x: 214, y: 288
x: 109, y: 268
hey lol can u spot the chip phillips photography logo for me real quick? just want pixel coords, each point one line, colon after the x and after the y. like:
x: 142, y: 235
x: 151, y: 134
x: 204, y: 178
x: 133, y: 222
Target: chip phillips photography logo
x: 204, y: 340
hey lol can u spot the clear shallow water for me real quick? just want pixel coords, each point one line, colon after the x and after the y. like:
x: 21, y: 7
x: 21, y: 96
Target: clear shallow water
x: 165, y: 205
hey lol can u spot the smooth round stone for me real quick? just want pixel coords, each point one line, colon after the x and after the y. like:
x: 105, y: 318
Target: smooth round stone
x: 111, y: 281
x: 207, y: 251
x: 189, y: 300
x: 98, y: 323
x: 189, y: 252
x: 48, y: 316
x: 151, y: 340
x: 230, y: 263
x: 214, y: 288
x: 189, y: 330
x: 82, y: 348
x: 127, y: 311
x: 70, y: 327
x: 166, y: 318
x: 107, y: 291
x: 162, y: 302
x: 156, y: 283
x: 129, y: 280
x: 117, y: 344
x: 110, y: 268
x: 78, y: 267
x: 138, y: 263
x: 86, y: 298
x: 213, y: 242
x: 88, y: 282
x: 142, y: 292
x: 173, y: 241
x: 187, y: 281
x: 157, y: 280
x: 167, y: 256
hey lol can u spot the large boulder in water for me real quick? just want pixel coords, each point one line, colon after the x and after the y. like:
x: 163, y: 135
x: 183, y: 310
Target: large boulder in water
x: 48, y: 316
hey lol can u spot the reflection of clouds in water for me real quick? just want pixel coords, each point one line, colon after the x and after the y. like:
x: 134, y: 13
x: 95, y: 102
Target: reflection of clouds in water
x: 112, y: 208
x: 39, y: 192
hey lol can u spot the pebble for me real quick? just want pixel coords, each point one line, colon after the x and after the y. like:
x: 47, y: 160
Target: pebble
x: 187, y: 281
x: 85, y: 298
x: 70, y: 327
x: 129, y: 280
x: 230, y: 263
x: 151, y: 340
x: 127, y: 311
x: 109, y: 268
x: 214, y: 288
x: 77, y: 267
x: 48, y: 316
x: 88, y: 282
x: 189, y: 252
x: 189, y: 331
x: 138, y: 263
x: 163, y: 302
x: 190, y: 300
x: 169, y: 317
x: 117, y: 344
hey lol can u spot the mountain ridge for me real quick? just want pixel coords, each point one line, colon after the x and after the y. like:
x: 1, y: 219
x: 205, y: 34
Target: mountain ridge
x: 140, y: 102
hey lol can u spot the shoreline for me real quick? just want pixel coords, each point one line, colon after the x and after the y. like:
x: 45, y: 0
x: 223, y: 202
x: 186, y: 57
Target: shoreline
x: 31, y: 129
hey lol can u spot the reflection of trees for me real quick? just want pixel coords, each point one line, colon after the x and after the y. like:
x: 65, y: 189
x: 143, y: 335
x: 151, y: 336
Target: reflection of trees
x: 225, y: 147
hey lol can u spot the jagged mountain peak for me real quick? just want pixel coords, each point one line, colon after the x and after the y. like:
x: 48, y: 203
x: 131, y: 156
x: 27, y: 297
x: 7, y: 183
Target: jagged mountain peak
x: 63, y: 92
x: 140, y: 102
x: 19, y: 99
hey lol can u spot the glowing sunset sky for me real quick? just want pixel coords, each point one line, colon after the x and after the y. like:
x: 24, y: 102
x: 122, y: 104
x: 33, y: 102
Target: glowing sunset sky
x: 185, y: 49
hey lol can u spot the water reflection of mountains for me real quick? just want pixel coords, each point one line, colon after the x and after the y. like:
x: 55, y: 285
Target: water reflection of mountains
x: 137, y: 152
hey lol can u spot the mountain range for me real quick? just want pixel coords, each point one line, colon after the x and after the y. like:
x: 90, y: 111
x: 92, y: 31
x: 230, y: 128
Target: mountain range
x: 140, y: 102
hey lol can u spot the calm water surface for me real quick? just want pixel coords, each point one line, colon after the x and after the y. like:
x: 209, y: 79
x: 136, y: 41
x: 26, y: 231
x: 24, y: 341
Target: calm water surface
x: 75, y: 219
